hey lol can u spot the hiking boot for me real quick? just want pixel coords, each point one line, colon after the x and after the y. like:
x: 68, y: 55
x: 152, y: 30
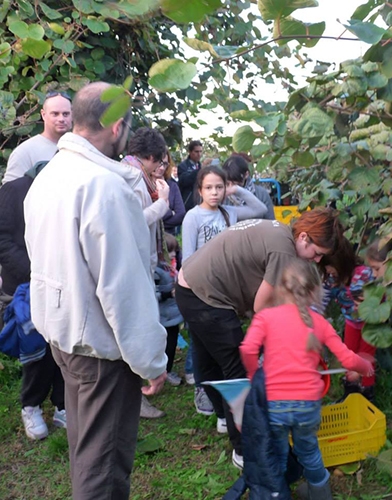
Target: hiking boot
x: 320, y: 492
x: 202, y: 402
x: 173, y: 379
x: 190, y: 379
x: 60, y: 418
x: 221, y: 426
x: 34, y: 423
x: 147, y: 410
x: 238, y: 460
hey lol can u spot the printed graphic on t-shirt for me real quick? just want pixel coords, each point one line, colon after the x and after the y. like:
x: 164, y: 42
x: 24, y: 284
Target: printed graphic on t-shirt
x: 245, y: 224
x: 210, y: 231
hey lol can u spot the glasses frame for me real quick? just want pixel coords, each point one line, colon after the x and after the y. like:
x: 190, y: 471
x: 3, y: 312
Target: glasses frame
x: 55, y: 93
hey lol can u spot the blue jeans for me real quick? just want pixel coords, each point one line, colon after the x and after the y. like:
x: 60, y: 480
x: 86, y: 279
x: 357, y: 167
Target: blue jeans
x: 302, y: 419
x: 189, y: 356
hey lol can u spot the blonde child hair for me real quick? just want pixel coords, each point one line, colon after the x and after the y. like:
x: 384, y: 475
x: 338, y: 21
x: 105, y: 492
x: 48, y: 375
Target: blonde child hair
x: 300, y: 283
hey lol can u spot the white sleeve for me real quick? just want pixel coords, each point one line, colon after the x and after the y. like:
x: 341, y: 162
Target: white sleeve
x: 18, y: 164
x: 190, y: 233
x: 155, y: 211
x: 253, y: 208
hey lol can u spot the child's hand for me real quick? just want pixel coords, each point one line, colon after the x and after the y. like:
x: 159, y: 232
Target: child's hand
x: 353, y: 376
x: 231, y: 188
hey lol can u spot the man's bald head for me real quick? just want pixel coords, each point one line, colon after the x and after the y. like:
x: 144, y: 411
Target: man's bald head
x: 88, y: 107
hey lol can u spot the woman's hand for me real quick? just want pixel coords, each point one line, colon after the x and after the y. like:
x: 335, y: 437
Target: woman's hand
x: 163, y: 189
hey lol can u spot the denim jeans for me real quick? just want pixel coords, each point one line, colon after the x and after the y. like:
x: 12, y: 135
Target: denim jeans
x: 302, y: 419
x: 189, y: 355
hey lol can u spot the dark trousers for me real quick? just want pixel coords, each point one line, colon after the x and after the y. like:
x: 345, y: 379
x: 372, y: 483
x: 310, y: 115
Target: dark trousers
x: 216, y: 335
x: 39, y: 378
x: 171, y: 345
x: 102, y: 400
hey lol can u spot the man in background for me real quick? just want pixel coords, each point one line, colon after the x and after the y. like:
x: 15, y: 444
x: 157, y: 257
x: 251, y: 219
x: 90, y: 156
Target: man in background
x: 56, y: 114
x: 187, y: 173
x: 92, y: 295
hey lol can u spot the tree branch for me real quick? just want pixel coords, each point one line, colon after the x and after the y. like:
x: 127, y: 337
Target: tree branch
x: 283, y: 37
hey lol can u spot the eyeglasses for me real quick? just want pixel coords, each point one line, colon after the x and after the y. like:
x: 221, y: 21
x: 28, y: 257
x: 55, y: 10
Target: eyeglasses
x: 54, y: 93
x: 164, y: 164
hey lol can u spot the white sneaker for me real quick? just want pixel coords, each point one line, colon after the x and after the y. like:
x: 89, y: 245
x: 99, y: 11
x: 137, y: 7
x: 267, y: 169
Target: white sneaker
x: 221, y: 426
x: 60, y: 418
x: 238, y: 460
x: 202, y: 402
x: 174, y: 379
x: 34, y: 423
x: 190, y: 379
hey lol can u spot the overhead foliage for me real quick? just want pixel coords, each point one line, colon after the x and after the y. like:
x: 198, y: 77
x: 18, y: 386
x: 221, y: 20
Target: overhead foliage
x: 331, y: 140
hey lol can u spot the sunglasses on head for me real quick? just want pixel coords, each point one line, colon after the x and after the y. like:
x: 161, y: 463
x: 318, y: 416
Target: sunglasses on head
x: 54, y: 93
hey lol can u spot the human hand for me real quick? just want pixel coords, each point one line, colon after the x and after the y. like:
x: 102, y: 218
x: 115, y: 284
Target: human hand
x: 231, y: 188
x: 163, y: 189
x: 155, y: 385
x: 353, y: 376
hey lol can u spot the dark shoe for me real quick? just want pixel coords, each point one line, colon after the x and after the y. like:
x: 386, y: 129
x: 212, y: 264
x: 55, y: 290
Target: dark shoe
x: 320, y: 492
x: 368, y: 392
x: 349, y: 388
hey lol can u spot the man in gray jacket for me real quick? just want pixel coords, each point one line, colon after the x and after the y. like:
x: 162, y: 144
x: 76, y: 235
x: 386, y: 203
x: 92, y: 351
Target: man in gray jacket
x: 92, y: 295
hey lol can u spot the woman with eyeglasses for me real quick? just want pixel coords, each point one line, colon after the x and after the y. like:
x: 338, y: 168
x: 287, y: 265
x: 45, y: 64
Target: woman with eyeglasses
x: 175, y: 214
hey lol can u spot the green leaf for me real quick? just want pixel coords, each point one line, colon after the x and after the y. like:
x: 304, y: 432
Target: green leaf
x: 97, y: 26
x: 384, y: 462
x: 5, y: 52
x: 225, y: 51
x: 57, y: 28
x: 371, y: 311
x: 49, y: 13
x: 361, y: 207
x: 128, y: 82
x: 276, y: 9
x: 367, y: 32
x: 26, y: 7
x: 364, y: 180
x: 112, y: 93
x: 351, y: 468
x: 303, y: 159
x: 387, y: 279
x: 377, y: 335
x: 200, y: 46
x: 386, y: 92
x: 84, y: 6
x: 149, y: 444
x: 243, y: 139
x: 65, y: 46
x: 19, y: 29
x: 269, y: 122
x: 36, y: 32
x: 115, y: 111
x: 350, y: 87
x: 35, y: 48
x: 245, y: 114
x: 191, y: 11
x: 313, y: 123
x: 135, y: 8
x: 169, y: 75
x: 376, y: 80
x: 290, y: 27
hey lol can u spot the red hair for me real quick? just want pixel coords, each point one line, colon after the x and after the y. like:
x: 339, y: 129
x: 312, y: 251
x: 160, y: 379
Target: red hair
x: 322, y: 227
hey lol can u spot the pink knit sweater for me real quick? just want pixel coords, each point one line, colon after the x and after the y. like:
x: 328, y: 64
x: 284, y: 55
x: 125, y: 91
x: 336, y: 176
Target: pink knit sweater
x: 290, y: 371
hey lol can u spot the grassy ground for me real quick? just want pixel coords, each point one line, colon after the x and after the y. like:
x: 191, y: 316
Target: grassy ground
x: 187, y: 458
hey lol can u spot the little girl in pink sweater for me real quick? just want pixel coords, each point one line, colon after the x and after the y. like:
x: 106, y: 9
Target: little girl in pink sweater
x: 292, y: 336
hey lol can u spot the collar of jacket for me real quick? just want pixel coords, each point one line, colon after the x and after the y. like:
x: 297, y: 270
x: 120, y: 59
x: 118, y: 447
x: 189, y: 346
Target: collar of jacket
x: 81, y: 146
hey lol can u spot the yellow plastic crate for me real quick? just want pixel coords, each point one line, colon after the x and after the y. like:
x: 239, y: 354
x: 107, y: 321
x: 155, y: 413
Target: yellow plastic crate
x: 351, y: 430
